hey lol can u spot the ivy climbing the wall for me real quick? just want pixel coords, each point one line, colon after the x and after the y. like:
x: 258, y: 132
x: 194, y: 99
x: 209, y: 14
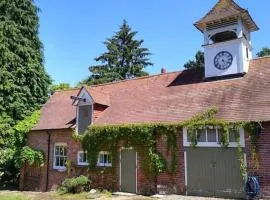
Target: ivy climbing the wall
x: 144, y: 137
x: 27, y: 155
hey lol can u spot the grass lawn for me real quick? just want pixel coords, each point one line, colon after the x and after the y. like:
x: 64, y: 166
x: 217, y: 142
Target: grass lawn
x: 10, y: 195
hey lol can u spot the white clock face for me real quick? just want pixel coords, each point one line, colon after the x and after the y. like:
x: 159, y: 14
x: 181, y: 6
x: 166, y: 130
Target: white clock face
x: 223, y: 60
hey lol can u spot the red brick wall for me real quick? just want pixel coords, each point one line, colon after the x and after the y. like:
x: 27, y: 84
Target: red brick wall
x: 164, y: 183
x: 263, y: 172
x: 38, y: 140
x: 61, y: 136
x: 101, y: 178
x: 172, y: 183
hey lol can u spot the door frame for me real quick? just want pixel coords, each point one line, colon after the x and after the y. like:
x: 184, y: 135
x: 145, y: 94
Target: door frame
x: 120, y: 163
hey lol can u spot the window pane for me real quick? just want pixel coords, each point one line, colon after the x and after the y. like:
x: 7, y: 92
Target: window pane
x: 211, y: 135
x: 57, y: 163
x: 61, y: 151
x: 65, y: 150
x: 220, y: 135
x: 80, y: 157
x: 56, y: 150
x: 189, y: 134
x: 109, y: 159
x: 84, y: 159
x: 101, y: 160
x: 233, y: 135
x: 65, y: 161
x: 201, y: 134
x: 61, y: 162
x: 105, y: 158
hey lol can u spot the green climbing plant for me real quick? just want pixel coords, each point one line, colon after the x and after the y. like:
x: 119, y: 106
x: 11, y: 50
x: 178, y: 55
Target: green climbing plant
x: 144, y: 138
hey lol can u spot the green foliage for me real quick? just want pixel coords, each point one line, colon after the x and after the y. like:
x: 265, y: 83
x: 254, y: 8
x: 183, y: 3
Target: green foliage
x: 124, y: 56
x: 30, y: 156
x: 203, y: 121
x: 28, y: 123
x: 24, y: 84
x: 143, y: 138
x: 264, y: 52
x: 74, y: 185
x: 59, y: 87
x: 198, y: 63
x: 13, y: 153
x: 253, y: 128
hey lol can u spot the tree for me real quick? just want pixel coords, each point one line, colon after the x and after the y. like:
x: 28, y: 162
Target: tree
x: 264, y: 52
x: 124, y: 57
x: 59, y: 87
x: 24, y: 83
x: 197, y: 63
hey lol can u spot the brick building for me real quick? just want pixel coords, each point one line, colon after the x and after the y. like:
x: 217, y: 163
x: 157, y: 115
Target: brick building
x: 234, y: 82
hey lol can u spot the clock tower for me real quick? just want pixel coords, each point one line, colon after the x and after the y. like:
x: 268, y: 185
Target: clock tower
x: 227, y: 39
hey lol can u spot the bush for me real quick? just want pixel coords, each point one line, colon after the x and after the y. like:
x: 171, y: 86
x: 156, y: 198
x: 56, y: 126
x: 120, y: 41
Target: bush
x: 74, y: 185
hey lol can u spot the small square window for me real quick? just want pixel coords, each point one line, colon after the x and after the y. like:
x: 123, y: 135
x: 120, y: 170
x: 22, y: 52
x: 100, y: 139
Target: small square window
x: 201, y: 135
x: 104, y: 159
x: 212, y: 135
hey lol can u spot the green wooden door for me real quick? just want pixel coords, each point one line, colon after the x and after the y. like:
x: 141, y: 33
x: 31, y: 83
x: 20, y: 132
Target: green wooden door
x: 128, y: 171
x: 214, y: 172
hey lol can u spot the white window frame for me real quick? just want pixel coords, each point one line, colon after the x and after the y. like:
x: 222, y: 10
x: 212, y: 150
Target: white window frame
x: 78, y: 159
x: 54, y: 156
x: 99, y: 164
x: 186, y: 143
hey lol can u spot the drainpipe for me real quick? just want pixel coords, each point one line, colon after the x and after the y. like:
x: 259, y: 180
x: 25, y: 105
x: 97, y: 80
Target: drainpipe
x: 155, y: 150
x: 48, y: 159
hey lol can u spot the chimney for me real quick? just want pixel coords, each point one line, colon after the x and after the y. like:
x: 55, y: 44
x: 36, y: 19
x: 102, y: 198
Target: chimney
x: 163, y: 70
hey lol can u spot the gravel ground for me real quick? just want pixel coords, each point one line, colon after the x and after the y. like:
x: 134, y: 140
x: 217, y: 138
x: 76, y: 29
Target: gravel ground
x: 179, y: 197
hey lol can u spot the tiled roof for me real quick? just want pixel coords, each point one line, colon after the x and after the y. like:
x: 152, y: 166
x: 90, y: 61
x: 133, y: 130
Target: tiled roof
x: 171, y: 97
x: 98, y: 96
x: 227, y: 9
x: 58, y: 112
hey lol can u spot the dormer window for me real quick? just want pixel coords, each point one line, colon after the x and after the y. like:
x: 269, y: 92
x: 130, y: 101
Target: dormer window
x: 84, y: 114
x: 86, y: 101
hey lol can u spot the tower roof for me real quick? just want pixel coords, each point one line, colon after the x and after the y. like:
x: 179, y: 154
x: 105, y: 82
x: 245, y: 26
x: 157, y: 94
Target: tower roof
x: 225, y: 11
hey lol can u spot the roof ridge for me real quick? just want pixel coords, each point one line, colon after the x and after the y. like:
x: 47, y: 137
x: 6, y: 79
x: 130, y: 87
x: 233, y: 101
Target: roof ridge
x: 67, y: 89
x: 135, y: 79
x: 259, y: 58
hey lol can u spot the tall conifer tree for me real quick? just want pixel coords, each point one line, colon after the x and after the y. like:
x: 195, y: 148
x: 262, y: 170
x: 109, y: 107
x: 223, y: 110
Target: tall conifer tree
x: 124, y: 58
x: 24, y: 83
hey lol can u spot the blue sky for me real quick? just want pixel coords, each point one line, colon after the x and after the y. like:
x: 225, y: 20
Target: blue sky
x: 73, y: 31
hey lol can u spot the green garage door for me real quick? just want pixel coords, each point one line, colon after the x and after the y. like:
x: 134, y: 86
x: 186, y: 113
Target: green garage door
x: 214, y: 172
